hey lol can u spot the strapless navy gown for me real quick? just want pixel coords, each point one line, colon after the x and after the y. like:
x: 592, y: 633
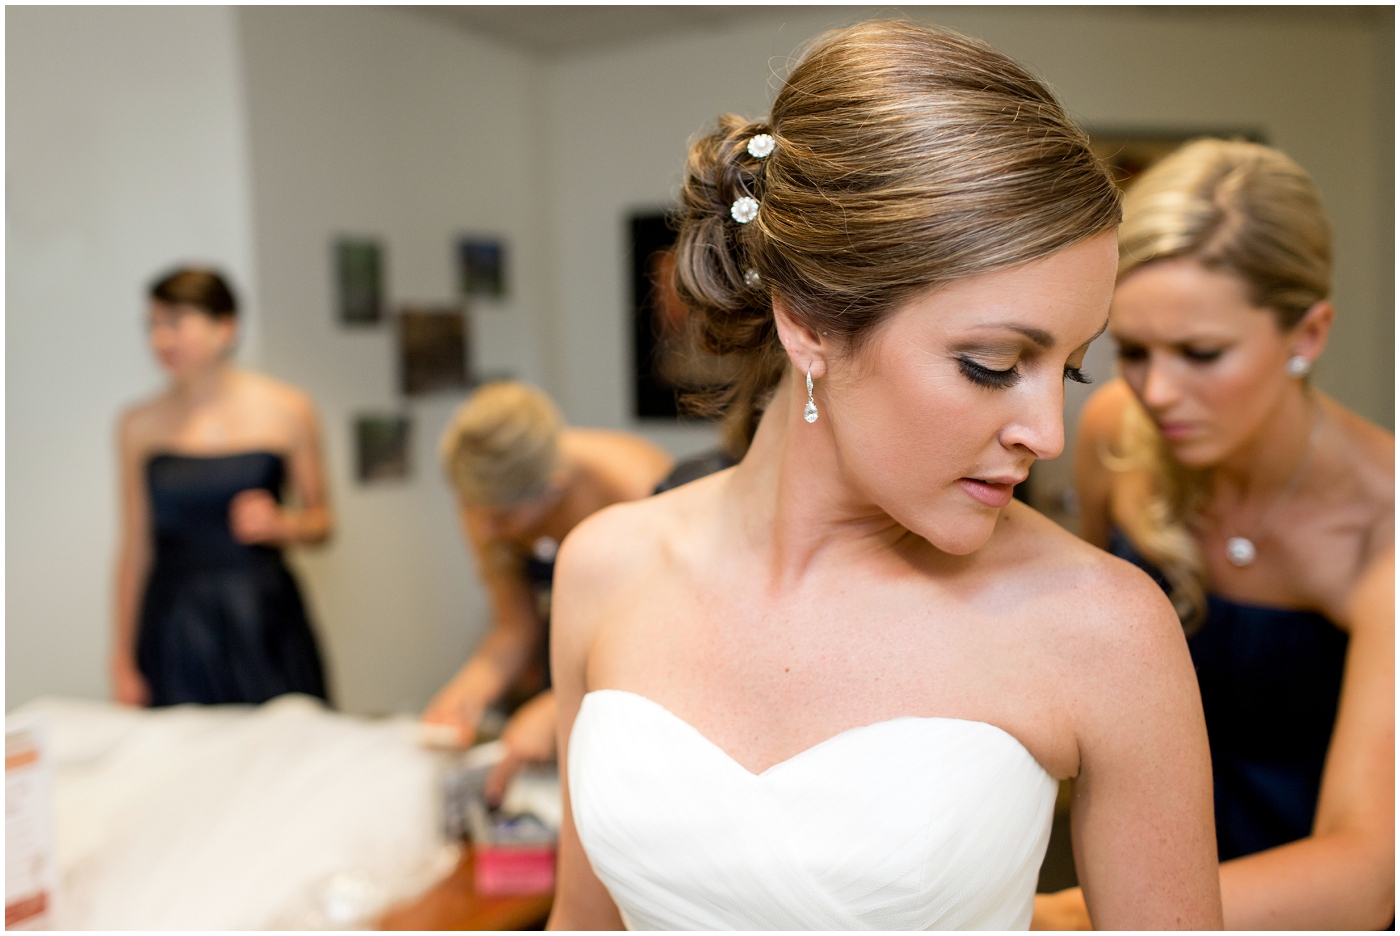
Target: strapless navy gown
x: 1270, y: 681
x: 220, y: 622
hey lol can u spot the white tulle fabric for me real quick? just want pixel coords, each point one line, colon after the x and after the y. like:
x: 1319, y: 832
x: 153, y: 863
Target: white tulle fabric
x: 912, y: 823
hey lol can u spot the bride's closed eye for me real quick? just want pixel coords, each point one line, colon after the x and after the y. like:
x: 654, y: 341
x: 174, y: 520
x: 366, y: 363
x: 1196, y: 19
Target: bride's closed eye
x: 1002, y: 379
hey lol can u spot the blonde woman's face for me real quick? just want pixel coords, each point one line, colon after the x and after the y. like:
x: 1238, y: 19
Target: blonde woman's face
x: 1207, y: 365
x: 943, y: 412
x: 519, y: 523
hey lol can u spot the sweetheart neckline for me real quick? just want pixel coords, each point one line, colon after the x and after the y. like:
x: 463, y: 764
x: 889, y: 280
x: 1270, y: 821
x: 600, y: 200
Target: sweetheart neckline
x: 820, y: 744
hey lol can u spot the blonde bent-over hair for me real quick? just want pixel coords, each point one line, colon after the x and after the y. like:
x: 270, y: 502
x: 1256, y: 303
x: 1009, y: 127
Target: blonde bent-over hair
x: 1229, y: 205
x: 906, y: 156
x: 502, y: 445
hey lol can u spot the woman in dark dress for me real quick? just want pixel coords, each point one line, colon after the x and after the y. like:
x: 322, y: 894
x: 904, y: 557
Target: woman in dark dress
x: 206, y: 610
x: 1265, y: 510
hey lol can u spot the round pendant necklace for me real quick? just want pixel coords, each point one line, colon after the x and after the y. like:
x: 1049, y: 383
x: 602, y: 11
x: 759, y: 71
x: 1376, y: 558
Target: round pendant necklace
x: 1240, y: 550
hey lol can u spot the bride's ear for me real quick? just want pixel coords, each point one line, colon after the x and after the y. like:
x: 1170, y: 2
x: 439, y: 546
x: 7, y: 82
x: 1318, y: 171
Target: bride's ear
x: 807, y: 349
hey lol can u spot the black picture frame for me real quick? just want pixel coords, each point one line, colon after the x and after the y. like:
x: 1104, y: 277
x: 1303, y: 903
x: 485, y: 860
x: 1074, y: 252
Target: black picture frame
x: 434, y: 350
x: 382, y: 447
x: 481, y: 268
x: 359, y: 280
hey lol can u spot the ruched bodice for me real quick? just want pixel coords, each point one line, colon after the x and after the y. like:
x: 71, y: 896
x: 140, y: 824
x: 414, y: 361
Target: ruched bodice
x: 912, y: 823
x: 221, y: 621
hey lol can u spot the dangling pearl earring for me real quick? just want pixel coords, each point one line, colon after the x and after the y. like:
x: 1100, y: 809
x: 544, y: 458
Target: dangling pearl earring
x: 1298, y: 366
x: 809, y: 413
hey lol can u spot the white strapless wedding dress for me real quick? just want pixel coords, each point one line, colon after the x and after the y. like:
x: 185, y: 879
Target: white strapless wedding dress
x: 912, y: 823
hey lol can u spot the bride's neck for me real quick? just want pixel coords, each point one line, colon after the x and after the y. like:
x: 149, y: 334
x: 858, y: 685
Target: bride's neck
x: 796, y: 501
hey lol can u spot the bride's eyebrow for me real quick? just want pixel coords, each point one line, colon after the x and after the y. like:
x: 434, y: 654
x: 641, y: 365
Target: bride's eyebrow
x: 1038, y: 335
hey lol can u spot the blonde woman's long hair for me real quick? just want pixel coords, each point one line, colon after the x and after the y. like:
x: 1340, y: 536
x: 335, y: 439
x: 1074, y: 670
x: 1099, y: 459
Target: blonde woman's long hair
x: 1233, y: 206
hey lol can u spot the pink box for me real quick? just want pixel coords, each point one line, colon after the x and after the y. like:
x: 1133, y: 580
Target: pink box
x: 501, y: 870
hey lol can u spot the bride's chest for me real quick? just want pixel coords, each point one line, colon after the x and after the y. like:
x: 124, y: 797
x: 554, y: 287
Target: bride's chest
x: 765, y: 683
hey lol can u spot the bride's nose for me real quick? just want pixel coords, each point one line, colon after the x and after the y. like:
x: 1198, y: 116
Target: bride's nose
x: 1038, y: 425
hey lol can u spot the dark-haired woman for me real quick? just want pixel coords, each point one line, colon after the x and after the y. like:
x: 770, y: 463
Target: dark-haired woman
x: 835, y: 686
x: 206, y: 611
x: 1267, y: 511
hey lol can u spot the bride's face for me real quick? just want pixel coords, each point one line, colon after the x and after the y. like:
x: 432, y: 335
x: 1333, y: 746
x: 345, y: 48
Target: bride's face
x: 940, y: 414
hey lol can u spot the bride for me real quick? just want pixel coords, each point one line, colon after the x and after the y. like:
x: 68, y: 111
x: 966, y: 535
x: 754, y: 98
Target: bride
x: 836, y: 685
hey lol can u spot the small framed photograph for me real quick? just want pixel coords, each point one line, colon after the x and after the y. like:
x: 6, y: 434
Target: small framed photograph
x: 481, y: 268
x: 433, y: 350
x: 359, y: 277
x: 381, y: 447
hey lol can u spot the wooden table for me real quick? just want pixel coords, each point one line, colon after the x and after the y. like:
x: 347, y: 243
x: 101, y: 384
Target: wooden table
x: 453, y: 904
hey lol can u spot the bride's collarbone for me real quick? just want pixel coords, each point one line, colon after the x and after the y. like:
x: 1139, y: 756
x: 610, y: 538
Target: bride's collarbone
x: 766, y: 695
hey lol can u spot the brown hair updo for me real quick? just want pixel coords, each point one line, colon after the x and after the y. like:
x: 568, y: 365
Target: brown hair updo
x: 906, y: 156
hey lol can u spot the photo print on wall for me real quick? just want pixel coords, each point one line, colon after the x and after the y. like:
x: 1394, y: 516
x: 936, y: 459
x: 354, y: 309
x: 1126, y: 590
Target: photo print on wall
x: 381, y: 447
x: 433, y: 350
x: 481, y: 268
x: 359, y: 277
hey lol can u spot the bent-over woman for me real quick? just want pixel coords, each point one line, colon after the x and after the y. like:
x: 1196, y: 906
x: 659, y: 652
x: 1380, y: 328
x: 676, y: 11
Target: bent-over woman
x: 524, y: 480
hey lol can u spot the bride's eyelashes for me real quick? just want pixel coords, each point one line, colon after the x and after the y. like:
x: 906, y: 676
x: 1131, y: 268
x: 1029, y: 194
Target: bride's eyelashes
x: 1002, y: 379
x: 986, y: 376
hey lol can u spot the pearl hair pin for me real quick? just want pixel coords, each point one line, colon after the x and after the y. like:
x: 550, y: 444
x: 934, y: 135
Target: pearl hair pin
x: 761, y: 145
x: 744, y: 209
x: 752, y: 279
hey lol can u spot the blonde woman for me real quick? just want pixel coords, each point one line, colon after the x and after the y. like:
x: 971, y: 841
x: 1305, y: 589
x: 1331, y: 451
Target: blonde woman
x: 1266, y: 510
x: 834, y: 687
x: 523, y: 481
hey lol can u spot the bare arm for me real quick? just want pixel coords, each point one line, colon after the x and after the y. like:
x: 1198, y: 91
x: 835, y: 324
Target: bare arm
x: 1144, y: 830
x: 255, y: 517
x: 1093, y: 481
x: 133, y: 567
x: 1343, y: 875
x: 580, y: 901
x: 505, y: 651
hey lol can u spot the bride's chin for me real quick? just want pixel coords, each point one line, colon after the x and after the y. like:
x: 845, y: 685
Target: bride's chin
x: 956, y: 535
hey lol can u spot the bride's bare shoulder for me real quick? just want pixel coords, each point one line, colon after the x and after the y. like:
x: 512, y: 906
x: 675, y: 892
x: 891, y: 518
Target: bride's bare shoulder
x: 629, y: 543
x: 611, y: 561
x: 1094, y: 601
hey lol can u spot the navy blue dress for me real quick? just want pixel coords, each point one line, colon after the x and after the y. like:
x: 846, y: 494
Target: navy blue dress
x: 220, y: 622
x: 1270, y: 681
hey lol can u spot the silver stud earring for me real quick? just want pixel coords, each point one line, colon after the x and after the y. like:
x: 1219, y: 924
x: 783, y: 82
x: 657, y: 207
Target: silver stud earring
x: 809, y: 413
x: 1298, y: 366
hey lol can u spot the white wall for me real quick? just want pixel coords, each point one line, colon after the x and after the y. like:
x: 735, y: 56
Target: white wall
x: 1320, y: 89
x: 373, y: 122
x: 125, y: 154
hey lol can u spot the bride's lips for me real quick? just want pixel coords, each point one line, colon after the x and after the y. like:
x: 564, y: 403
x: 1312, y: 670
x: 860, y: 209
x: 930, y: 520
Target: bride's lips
x: 992, y: 493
